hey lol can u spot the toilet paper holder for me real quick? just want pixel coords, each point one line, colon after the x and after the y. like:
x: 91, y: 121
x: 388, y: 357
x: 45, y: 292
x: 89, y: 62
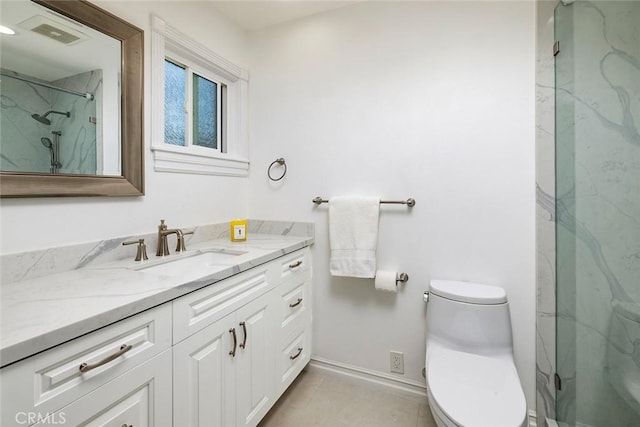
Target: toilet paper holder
x: 402, y: 277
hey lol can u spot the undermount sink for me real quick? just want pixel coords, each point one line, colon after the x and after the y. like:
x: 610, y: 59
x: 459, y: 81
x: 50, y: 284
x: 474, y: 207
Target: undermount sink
x: 192, y: 265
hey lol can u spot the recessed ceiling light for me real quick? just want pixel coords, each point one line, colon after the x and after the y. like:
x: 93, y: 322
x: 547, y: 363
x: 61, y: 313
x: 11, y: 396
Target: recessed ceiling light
x: 6, y: 30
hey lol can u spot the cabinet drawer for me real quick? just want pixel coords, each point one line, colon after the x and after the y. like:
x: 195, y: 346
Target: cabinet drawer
x: 140, y: 398
x: 199, y: 309
x: 295, y: 300
x: 51, y: 380
x: 293, y: 355
x: 294, y: 264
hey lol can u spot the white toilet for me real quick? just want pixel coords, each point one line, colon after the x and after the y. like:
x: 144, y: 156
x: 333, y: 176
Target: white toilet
x: 471, y: 376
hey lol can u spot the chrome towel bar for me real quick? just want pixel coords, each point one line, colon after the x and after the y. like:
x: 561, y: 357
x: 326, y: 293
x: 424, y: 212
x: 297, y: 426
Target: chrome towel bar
x: 409, y: 202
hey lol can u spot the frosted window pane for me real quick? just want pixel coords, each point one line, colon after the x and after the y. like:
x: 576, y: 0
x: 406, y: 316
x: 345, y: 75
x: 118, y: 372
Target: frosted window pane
x: 174, y: 96
x: 205, y: 112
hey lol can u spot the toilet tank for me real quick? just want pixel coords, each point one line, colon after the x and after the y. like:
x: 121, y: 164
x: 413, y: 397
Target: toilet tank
x: 469, y: 317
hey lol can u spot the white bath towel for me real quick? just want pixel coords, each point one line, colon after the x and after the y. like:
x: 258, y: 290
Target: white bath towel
x: 353, y: 236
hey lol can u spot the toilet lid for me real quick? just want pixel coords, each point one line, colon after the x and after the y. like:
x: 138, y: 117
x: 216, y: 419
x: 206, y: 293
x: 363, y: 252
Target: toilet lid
x: 473, y: 293
x: 475, y: 390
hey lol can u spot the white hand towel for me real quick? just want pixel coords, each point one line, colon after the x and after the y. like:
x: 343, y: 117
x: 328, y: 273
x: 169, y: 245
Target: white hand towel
x: 353, y: 236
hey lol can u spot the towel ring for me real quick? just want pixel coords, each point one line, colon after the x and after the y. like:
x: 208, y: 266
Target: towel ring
x: 281, y: 162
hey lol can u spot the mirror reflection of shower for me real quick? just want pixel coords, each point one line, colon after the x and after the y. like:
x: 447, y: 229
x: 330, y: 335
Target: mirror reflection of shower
x: 54, y: 150
x: 32, y: 108
x: 43, y: 118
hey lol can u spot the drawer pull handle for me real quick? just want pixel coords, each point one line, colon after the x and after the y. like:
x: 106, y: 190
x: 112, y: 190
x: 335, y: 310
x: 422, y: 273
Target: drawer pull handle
x: 295, y: 304
x: 86, y: 367
x: 232, y: 331
x: 244, y: 331
x: 295, y: 264
x: 294, y: 357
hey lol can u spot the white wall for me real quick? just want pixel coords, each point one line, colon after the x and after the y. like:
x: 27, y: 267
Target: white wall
x: 431, y: 100
x: 183, y: 200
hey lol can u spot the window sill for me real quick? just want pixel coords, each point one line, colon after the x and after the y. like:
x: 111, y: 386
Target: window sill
x: 184, y: 160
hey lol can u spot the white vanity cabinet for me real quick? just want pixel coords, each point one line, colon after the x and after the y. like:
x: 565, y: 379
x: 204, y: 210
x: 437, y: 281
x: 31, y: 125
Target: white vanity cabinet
x: 294, y: 338
x: 218, y: 356
x: 223, y: 374
x: 227, y: 373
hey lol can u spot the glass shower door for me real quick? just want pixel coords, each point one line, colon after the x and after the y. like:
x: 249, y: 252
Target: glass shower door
x: 598, y: 213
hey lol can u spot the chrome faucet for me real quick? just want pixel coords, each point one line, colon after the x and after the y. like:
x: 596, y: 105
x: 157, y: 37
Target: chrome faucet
x: 163, y: 244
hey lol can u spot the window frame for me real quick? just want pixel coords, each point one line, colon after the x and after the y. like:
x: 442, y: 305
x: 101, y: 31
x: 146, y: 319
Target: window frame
x: 189, y: 113
x: 231, y: 158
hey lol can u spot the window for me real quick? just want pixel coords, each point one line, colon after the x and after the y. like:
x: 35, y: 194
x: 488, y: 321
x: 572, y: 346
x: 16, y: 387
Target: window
x: 199, y: 103
x: 193, y: 107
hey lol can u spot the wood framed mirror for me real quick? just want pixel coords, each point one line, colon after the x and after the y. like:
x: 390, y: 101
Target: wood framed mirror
x: 130, y: 181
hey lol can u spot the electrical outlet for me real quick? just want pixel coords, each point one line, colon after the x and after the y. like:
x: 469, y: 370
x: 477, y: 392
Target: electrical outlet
x: 397, y: 362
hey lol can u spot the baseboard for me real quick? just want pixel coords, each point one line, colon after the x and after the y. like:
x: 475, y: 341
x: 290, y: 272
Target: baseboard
x: 409, y: 386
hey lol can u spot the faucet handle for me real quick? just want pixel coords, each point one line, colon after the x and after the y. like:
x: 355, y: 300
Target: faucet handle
x: 141, y: 254
x: 180, y: 247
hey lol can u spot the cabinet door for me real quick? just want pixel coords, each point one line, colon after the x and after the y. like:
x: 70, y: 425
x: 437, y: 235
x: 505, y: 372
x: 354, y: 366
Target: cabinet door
x: 204, y: 377
x: 140, y: 398
x: 255, y: 371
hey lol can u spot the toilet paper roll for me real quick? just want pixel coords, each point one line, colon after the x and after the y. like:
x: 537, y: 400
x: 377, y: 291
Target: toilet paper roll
x: 386, y: 280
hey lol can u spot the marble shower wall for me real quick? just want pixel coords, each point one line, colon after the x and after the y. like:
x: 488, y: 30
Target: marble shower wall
x: 20, y: 146
x: 80, y: 142
x: 597, y: 156
x: 20, y: 135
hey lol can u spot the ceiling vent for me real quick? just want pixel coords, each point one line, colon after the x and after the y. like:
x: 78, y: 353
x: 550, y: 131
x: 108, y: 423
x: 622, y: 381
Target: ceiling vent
x: 54, y: 30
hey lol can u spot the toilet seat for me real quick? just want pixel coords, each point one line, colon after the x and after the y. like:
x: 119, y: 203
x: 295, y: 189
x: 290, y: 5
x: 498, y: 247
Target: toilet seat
x: 476, y: 391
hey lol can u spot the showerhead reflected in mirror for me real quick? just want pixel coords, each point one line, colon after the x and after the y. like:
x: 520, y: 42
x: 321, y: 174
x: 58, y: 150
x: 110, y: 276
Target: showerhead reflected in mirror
x: 55, y: 165
x: 43, y: 118
x: 114, y: 87
x: 58, y: 75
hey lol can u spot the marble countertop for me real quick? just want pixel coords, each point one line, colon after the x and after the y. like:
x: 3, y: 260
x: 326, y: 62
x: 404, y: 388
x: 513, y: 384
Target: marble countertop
x: 40, y: 313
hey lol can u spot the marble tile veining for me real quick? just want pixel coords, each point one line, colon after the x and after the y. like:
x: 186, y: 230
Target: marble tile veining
x: 43, y: 310
x: 588, y: 241
x: 34, y: 264
x: 77, y: 144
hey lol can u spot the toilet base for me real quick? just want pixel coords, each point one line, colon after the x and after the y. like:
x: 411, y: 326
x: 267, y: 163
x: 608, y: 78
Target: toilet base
x: 440, y: 419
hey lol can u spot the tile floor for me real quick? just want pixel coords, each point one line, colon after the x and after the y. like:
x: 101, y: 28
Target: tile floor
x: 323, y: 398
